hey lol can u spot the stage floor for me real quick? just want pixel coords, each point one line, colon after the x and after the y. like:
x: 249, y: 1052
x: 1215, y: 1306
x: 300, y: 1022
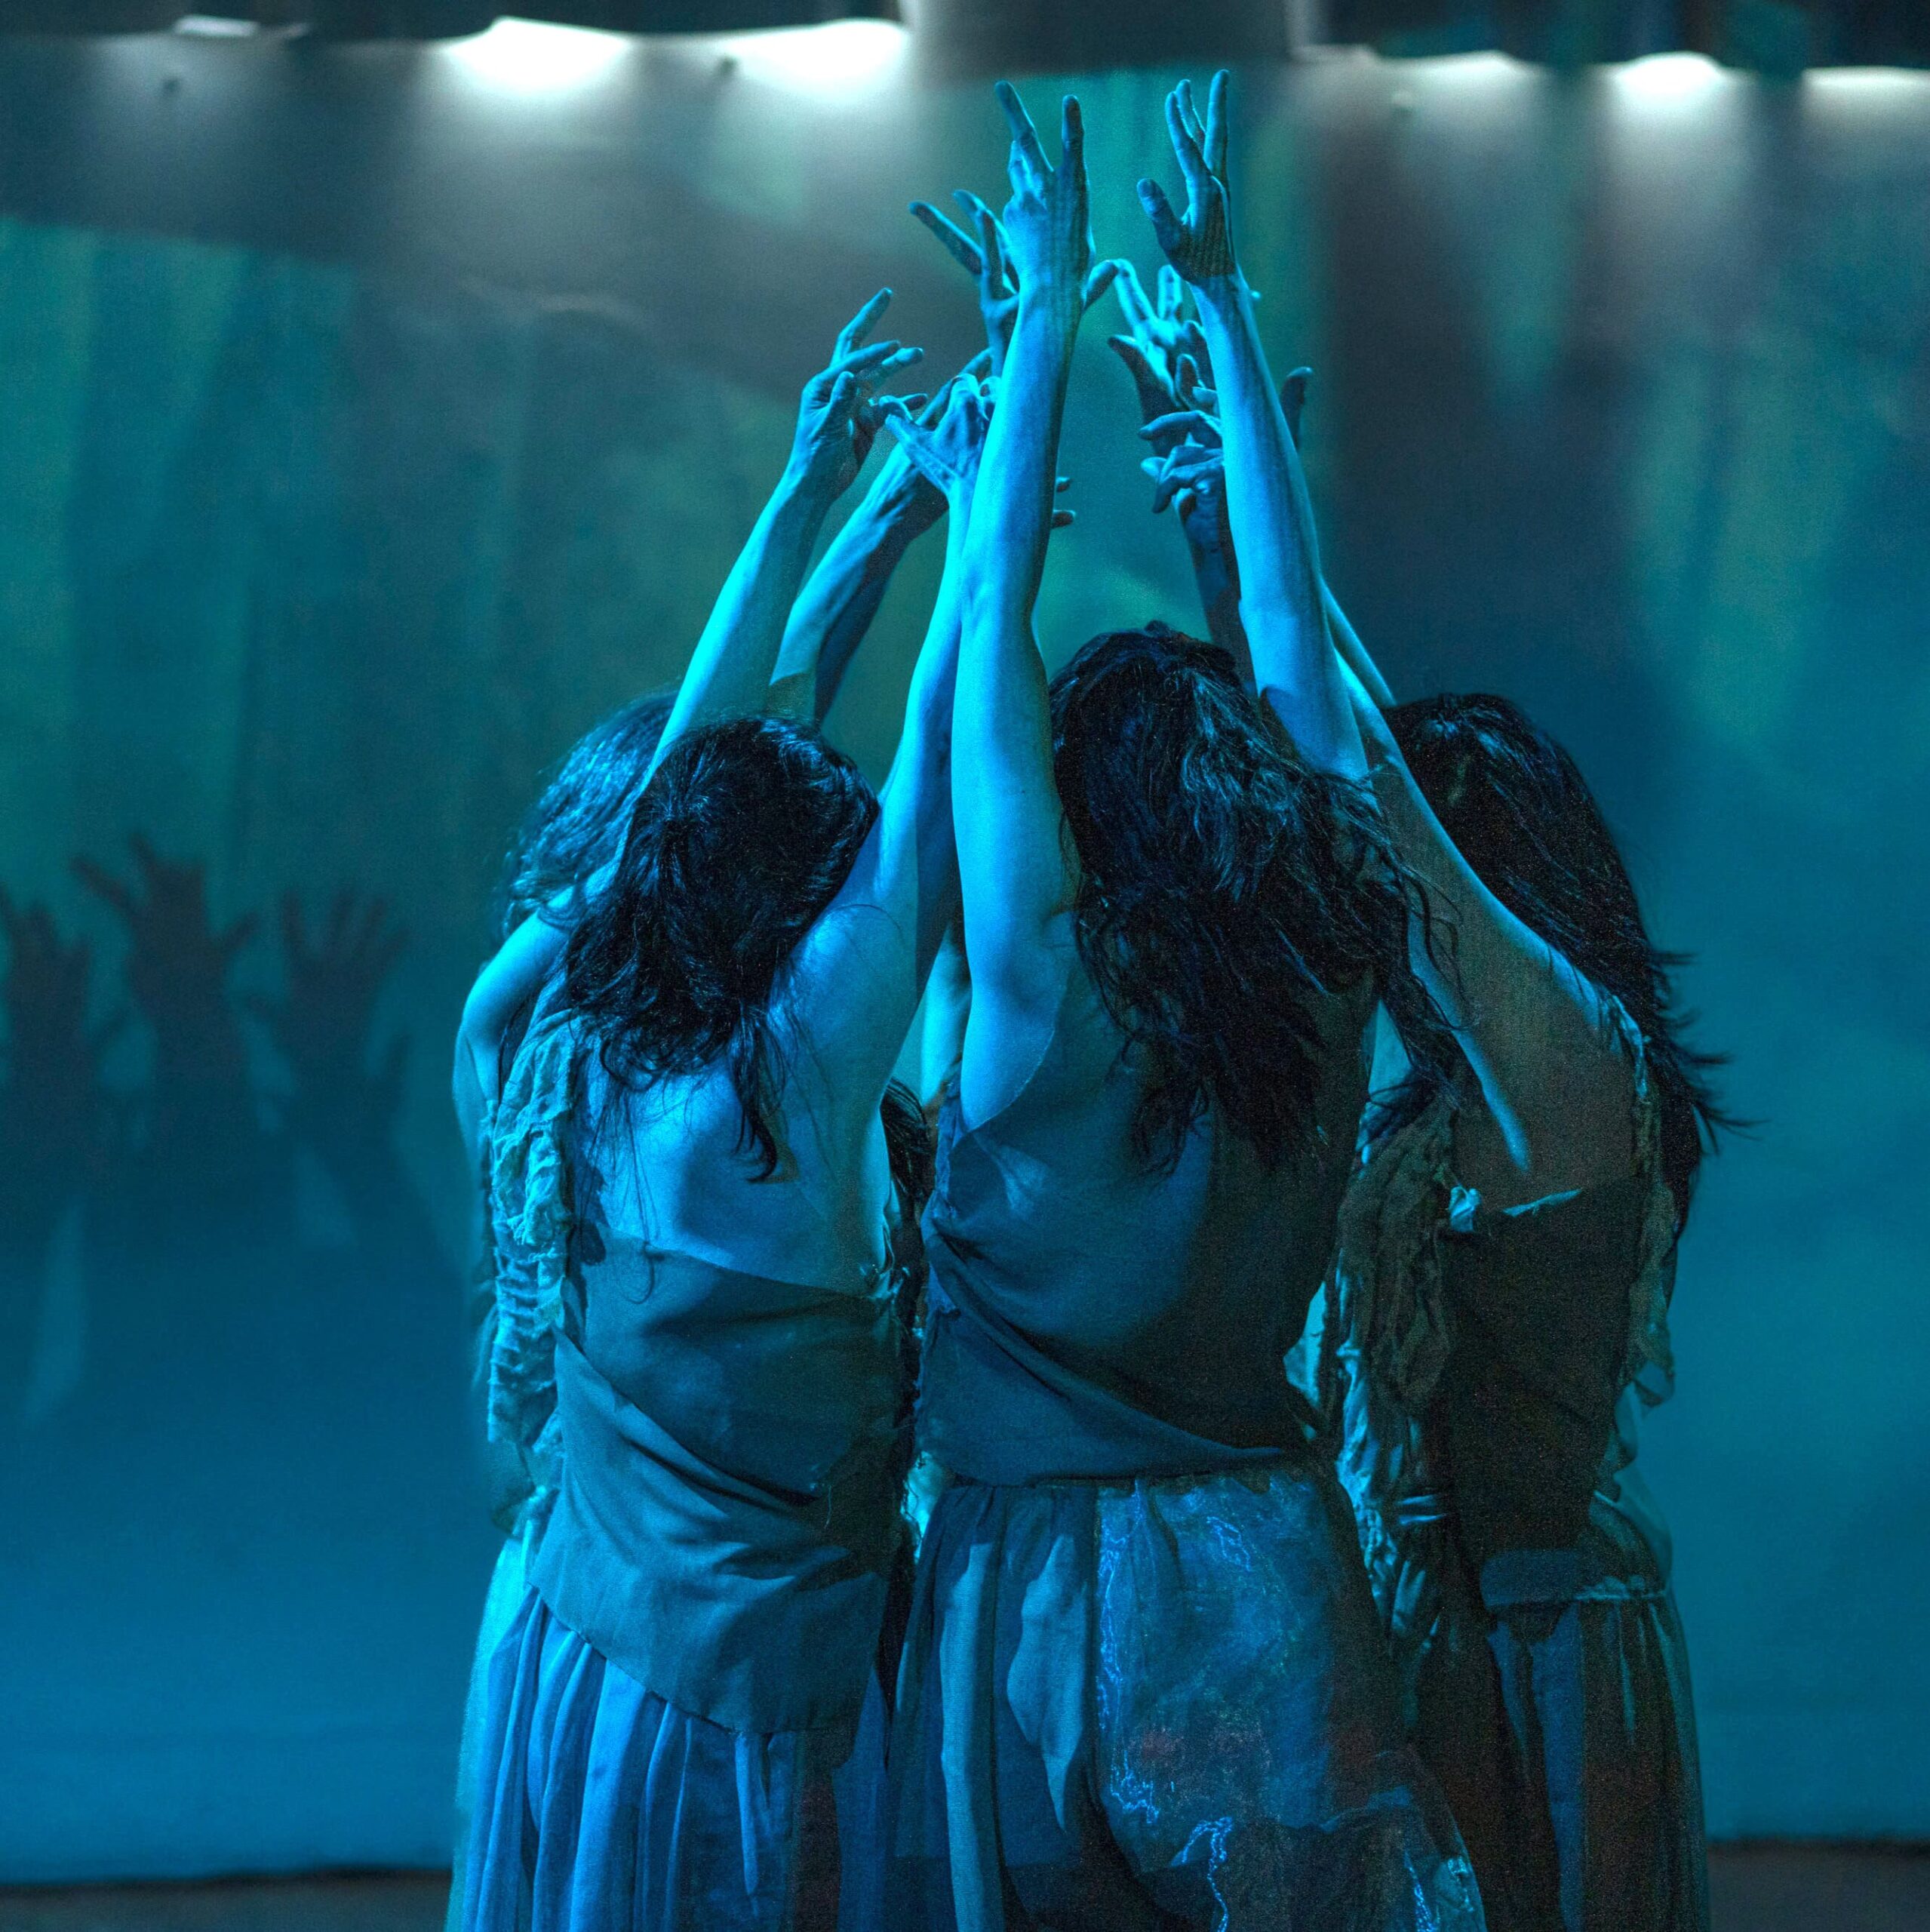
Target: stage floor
x: 1757, y: 1888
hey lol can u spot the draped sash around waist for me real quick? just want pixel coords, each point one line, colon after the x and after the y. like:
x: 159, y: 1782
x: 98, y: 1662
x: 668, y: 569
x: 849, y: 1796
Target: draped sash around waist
x: 999, y: 1407
x: 727, y: 1516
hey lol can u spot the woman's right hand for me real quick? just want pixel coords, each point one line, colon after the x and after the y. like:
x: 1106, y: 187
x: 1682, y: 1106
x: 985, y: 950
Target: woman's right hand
x: 1198, y: 243
x: 838, y: 421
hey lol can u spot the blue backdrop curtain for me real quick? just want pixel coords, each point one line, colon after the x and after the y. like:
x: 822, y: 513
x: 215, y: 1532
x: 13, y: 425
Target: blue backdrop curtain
x: 323, y: 529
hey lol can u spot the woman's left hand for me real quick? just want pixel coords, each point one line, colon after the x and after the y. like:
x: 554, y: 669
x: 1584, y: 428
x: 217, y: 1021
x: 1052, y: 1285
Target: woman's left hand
x: 988, y: 261
x: 1047, y: 227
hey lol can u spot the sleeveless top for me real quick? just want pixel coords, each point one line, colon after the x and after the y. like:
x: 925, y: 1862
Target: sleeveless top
x: 1094, y: 1313
x: 718, y: 1455
x: 1484, y: 1366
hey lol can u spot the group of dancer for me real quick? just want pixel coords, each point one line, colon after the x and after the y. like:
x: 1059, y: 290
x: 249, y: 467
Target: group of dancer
x: 1193, y: 1489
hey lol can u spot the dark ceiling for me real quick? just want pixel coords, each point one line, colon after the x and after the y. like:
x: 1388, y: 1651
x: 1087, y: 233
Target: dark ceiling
x: 958, y: 36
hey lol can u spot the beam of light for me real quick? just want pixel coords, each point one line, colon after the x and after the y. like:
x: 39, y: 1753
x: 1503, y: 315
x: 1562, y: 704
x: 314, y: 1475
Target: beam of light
x: 1865, y: 89
x: 214, y: 26
x: 533, y: 57
x: 1667, y: 80
x: 840, y: 57
x: 1469, y: 70
x: 1483, y: 85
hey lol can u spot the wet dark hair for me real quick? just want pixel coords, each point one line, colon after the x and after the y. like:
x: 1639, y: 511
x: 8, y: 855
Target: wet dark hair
x: 911, y: 1146
x: 1227, y: 889
x: 742, y: 838
x: 577, y: 822
x: 1520, y: 812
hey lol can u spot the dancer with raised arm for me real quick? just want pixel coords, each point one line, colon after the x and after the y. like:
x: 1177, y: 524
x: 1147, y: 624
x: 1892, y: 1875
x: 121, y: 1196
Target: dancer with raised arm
x: 576, y: 830
x: 699, y: 1327
x: 1143, y: 1685
x: 1498, y: 1317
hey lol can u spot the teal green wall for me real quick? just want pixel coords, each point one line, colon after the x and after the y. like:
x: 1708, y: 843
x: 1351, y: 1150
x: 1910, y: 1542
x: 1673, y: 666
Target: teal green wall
x: 343, y: 481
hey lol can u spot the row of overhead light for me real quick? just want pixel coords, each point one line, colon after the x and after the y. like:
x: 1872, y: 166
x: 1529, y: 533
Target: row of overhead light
x: 531, y: 57
x: 535, y: 57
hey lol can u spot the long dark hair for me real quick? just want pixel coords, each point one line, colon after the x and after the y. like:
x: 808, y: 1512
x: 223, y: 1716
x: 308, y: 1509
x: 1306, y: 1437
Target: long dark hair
x: 741, y: 840
x: 1226, y: 889
x: 1522, y: 815
x: 577, y: 822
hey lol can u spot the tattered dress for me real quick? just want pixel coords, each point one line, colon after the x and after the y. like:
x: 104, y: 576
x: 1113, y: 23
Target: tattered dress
x: 683, y: 1725
x: 1486, y: 1368
x: 1143, y: 1685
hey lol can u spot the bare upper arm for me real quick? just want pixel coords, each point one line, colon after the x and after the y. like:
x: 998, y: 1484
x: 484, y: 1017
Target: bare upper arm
x: 1558, y: 1091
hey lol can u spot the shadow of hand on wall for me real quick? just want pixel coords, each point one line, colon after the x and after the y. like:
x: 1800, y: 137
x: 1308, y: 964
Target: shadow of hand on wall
x: 347, y: 1091
x: 203, y: 1160
x: 56, y: 1119
x: 197, y: 1264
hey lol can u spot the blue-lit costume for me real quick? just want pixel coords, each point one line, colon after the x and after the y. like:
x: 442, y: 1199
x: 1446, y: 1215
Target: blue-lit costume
x: 1143, y: 1685
x: 683, y: 1724
x: 1485, y: 1368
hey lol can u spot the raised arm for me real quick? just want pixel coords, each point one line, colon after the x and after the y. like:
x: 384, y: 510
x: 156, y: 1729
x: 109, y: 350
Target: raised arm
x: 1015, y: 874
x: 915, y: 807
x: 1188, y: 470
x: 730, y: 671
x: 988, y: 259
x: 860, y: 978
x: 1280, y: 605
x: 1157, y: 338
x: 841, y: 597
x: 1532, y: 1027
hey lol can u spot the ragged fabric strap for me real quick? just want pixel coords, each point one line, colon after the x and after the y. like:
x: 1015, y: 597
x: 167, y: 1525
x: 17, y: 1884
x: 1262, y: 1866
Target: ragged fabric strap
x: 531, y: 1219
x: 1383, y: 1347
x: 1387, y: 1266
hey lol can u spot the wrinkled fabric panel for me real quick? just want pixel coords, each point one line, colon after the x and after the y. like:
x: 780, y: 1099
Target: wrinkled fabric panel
x: 1160, y: 1704
x: 501, y: 1609
x: 606, y: 1809
x: 1598, y: 1696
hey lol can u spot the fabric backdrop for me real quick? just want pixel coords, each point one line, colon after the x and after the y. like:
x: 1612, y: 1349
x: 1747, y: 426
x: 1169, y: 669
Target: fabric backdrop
x: 368, y: 429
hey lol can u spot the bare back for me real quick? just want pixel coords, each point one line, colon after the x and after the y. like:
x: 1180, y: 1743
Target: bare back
x: 677, y: 1171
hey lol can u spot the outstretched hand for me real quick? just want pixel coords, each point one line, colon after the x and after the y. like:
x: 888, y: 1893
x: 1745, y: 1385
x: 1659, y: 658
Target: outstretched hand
x: 1159, y: 337
x: 325, y: 1025
x: 837, y: 421
x: 988, y: 261
x: 1189, y: 462
x: 902, y: 481
x: 179, y: 960
x: 1047, y: 227
x: 945, y: 444
x: 945, y: 450
x: 1199, y: 242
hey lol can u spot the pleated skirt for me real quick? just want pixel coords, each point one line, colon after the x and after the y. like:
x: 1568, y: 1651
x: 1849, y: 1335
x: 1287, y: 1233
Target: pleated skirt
x: 1158, y: 1704
x: 601, y: 1808
x: 506, y: 1586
